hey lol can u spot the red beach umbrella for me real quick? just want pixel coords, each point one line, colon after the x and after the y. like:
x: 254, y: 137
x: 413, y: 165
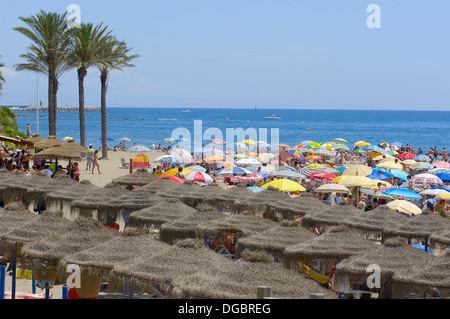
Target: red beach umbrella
x: 321, y: 177
x: 177, y: 179
x: 406, y: 156
x: 199, y: 177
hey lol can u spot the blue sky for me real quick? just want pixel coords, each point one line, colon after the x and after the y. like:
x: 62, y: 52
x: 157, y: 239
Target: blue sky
x: 238, y: 54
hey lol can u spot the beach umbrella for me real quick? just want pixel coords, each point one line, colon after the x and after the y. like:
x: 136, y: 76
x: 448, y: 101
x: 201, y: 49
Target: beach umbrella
x: 398, y: 144
x: 165, y: 159
x: 358, y: 170
x: 254, y: 177
x: 340, y: 141
x: 140, y: 161
x: 400, y: 174
x: 285, y: 185
x: 426, y: 179
x: 108, y: 139
x: 181, y: 140
x: 255, y: 189
x: 443, y: 196
x: 422, y: 158
x: 341, y: 169
x: 404, y: 207
x: 445, y: 177
x: 313, y: 157
x: 361, y: 144
x: 341, y: 147
x: 441, y: 164
x: 68, y: 139
x: 169, y: 140
x: 409, y: 162
x: 313, y: 145
x: 50, y: 141
x: 422, y: 165
x: 332, y: 188
x: 265, y: 157
x: 174, y: 171
x: 439, y: 171
x: 234, y: 171
x: 58, y: 153
x: 248, y: 161
x: 378, y: 177
x: 350, y: 180
x: 286, y: 174
x: 197, y: 168
x: 249, y: 142
x: 435, y: 191
x: 182, y: 154
x: 227, y: 164
x: 296, y: 154
x: 381, y: 171
x: 199, y: 177
x: 214, y: 159
x: 401, y: 192
x: 218, y: 141
x: 321, y: 177
x: 177, y: 179
x: 138, y: 149
x: 406, y: 156
x: 390, y: 165
x: 282, y: 146
x: 125, y: 139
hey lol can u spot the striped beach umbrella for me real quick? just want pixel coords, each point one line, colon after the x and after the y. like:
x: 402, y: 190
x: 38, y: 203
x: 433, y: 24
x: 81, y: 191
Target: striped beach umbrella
x: 166, y: 159
x: 296, y: 154
x: 285, y: 185
x: 234, y: 171
x: 358, y: 170
x: 182, y: 154
x: 199, y: 177
x: 439, y: 171
x: 441, y: 164
x: 426, y: 179
x: 254, y: 177
x: 197, y: 168
x: 140, y: 161
x: 404, y: 207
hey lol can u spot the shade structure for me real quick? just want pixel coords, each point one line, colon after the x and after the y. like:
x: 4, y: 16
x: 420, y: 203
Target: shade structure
x: 248, y: 161
x: 254, y: 177
x: 35, y: 138
x: 296, y: 154
x: 445, y: 177
x: 139, y: 177
x: 332, y: 188
x: 234, y: 171
x: 313, y: 157
x: 218, y: 141
x: 358, y: 170
x: 166, y: 159
x: 401, y: 192
x: 50, y: 141
x: 321, y: 177
x: 362, y: 144
x: 199, y: 177
x: 173, y: 178
x: 71, y: 146
x: 406, y: 156
x: 227, y: 164
x: 422, y: 158
x: 439, y: 170
x: 58, y: 152
x: 435, y: 191
x: 400, y: 174
x: 213, y: 159
x: 265, y: 157
x: 175, y: 171
x: 390, y: 165
x: 404, y: 207
x: 286, y: 174
x: 249, y: 142
x: 409, y: 162
x: 140, y: 161
x: 441, y: 164
x: 340, y: 140
x: 426, y: 179
x: 350, y: 181
x: 197, y: 168
x: 285, y: 185
x: 138, y: 148
x: 422, y: 166
x: 183, y: 154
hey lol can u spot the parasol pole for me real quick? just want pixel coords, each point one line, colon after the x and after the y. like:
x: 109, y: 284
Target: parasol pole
x: 2, y: 281
x: 14, y: 264
x: 37, y: 103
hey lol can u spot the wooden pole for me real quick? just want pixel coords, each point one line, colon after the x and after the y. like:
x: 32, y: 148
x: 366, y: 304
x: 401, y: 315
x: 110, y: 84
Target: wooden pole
x: 2, y: 281
x: 264, y: 292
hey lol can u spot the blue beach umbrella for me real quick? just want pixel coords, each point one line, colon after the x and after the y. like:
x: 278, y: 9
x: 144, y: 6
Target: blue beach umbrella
x: 108, y: 139
x: 422, y: 158
x: 380, y: 177
x: 401, y: 191
x: 234, y: 171
x: 399, y: 174
x: 255, y: 189
x: 381, y: 171
x: 445, y: 177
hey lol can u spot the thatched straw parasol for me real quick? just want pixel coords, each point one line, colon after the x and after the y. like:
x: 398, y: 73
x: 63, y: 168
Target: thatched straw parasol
x: 333, y: 216
x: 339, y: 243
x: 18, y: 185
x: 194, y: 271
x: 155, y: 216
x: 373, y: 223
x: 51, y: 141
x: 159, y: 185
x: 73, y: 147
x: 58, y: 152
x: 202, y: 194
x: 45, y: 253
x: 140, y: 177
x: 275, y: 240
x: 35, y: 138
x: 435, y: 274
x: 441, y: 237
x: 186, y: 226
x: 178, y: 190
x: 393, y: 256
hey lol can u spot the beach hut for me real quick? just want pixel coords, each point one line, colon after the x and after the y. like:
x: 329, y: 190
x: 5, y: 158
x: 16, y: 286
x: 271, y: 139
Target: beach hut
x: 140, y: 177
x: 274, y: 240
x: 222, y: 235
x: 153, y: 217
x: 61, y: 199
x: 44, y: 255
x: 96, y: 262
x: 393, y: 256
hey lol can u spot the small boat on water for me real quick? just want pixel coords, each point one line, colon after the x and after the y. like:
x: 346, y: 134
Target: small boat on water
x: 273, y: 117
x: 187, y: 111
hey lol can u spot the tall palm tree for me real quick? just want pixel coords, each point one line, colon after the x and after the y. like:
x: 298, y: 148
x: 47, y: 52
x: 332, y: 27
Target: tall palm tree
x: 47, y: 54
x: 2, y: 79
x: 113, y: 56
x: 86, y: 43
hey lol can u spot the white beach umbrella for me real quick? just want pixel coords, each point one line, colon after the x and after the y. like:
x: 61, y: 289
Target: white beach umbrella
x: 248, y: 161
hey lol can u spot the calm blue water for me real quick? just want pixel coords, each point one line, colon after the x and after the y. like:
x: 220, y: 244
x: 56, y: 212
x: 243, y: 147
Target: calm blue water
x: 146, y: 125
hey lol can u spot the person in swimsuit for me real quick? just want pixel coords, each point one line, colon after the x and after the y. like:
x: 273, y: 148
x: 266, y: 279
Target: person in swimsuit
x: 95, y: 163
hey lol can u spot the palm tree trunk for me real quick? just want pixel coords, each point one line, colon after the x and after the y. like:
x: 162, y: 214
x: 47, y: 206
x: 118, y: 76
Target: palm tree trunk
x: 103, y: 80
x: 51, y: 103
x: 81, y: 75
x: 55, y: 102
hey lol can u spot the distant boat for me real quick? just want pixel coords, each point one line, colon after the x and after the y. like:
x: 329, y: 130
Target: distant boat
x: 273, y: 117
x: 187, y: 111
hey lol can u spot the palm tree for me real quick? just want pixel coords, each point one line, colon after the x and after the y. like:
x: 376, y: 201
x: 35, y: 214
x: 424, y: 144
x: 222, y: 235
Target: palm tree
x: 113, y: 56
x: 86, y: 43
x: 2, y: 79
x: 47, y: 54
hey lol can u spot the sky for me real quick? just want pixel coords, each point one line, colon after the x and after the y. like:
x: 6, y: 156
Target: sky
x: 244, y: 53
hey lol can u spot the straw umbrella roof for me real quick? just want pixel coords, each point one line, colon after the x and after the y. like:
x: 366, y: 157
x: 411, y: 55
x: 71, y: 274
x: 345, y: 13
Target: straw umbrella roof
x: 441, y: 237
x: 60, y: 182
x: 35, y: 138
x: 276, y: 239
x: 73, y: 147
x: 159, y: 185
x: 140, y: 177
x: 420, y: 226
x: 201, y: 194
x: 73, y: 237
x: 166, y: 211
x: 102, y: 257
x: 238, y: 225
x: 132, y: 200
x: 334, y: 215
x: 99, y: 198
x: 377, y: 220
x: 33, y: 230
x: 197, y: 272
x: 50, y: 141
x: 73, y: 192
x: 337, y: 242
x: 177, y: 190
x: 393, y: 256
x: 58, y: 152
x: 22, y: 182
x: 436, y: 273
x: 186, y: 226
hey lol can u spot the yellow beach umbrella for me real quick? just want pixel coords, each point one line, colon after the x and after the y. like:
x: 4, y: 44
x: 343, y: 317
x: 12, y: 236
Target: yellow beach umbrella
x: 374, y: 184
x: 444, y: 196
x: 313, y: 145
x: 316, y: 166
x: 382, y: 157
x: 228, y: 164
x: 265, y: 157
x: 362, y: 144
x: 249, y: 142
x: 214, y: 159
x: 358, y: 170
x: 405, y: 207
x: 390, y: 165
x: 285, y: 185
x: 349, y: 181
x: 409, y: 162
x: 174, y: 171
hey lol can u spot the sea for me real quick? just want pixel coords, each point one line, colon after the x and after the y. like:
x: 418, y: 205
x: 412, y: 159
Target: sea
x: 145, y: 126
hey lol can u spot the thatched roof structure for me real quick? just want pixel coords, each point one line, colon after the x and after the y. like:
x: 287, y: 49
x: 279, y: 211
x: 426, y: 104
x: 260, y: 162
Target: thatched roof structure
x: 21, y: 183
x: 440, y: 237
x: 238, y: 225
x: 35, y: 138
x: 58, y: 152
x: 202, y: 194
x: 140, y: 177
x: 132, y: 200
x: 275, y: 240
x: 40, y: 191
x: 178, y: 190
x: 166, y: 211
x: 50, y: 141
x: 73, y: 192
x: 376, y: 221
x: 36, y: 228
x: 159, y: 185
x: 338, y: 242
x: 99, y: 198
x: 186, y: 226
x: 72, y: 237
x: 73, y: 147
x: 420, y: 226
x: 393, y: 256
x: 199, y: 273
x: 333, y: 216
